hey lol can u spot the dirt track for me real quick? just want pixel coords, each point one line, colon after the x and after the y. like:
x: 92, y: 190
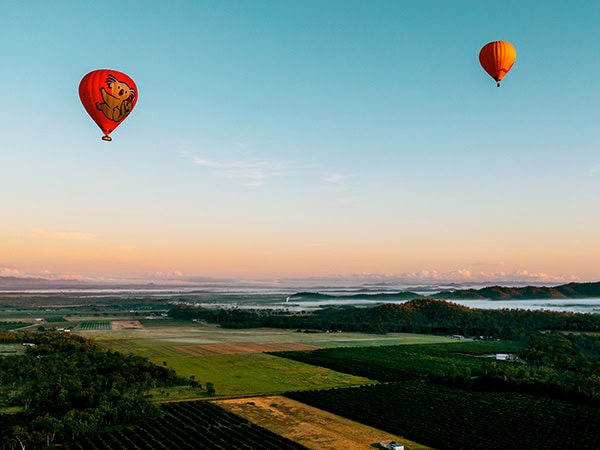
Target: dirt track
x: 311, y: 427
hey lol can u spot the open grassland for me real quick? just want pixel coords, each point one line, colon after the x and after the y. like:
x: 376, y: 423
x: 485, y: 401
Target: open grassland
x: 233, y: 360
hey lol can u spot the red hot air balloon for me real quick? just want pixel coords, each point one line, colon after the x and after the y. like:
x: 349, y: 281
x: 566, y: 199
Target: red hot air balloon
x: 497, y: 58
x: 108, y: 96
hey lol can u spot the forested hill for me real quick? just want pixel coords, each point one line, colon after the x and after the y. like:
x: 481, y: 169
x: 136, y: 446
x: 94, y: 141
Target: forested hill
x: 570, y: 290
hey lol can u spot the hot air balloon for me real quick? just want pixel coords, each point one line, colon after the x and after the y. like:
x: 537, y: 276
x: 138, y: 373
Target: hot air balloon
x: 108, y: 96
x: 497, y: 58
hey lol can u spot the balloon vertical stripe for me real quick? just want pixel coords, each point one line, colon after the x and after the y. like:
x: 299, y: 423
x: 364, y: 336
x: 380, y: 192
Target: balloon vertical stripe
x: 497, y: 58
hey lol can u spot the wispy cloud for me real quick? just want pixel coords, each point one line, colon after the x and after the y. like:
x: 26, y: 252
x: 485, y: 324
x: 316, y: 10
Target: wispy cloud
x: 62, y: 235
x: 464, y: 274
x: 247, y: 172
x: 335, y: 177
x: 9, y: 272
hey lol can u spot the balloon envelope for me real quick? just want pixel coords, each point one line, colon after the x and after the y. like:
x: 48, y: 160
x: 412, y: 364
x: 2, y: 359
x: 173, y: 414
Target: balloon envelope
x: 497, y: 58
x: 108, y: 96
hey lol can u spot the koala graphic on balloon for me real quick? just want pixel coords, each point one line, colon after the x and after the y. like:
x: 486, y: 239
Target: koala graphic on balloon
x: 117, y: 101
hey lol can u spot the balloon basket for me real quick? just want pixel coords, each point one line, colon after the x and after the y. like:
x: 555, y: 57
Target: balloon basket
x: 106, y: 138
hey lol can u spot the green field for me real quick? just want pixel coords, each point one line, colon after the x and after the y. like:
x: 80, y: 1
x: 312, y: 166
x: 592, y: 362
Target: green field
x: 257, y: 373
x: 241, y: 374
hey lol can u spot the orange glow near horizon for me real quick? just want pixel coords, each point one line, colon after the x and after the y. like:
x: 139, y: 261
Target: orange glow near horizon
x: 251, y: 257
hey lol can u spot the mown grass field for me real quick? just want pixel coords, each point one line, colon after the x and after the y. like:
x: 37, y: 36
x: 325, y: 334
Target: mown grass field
x: 258, y: 373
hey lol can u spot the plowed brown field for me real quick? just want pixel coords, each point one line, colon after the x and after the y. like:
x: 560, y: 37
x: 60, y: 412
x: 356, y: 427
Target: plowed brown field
x: 126, y: 325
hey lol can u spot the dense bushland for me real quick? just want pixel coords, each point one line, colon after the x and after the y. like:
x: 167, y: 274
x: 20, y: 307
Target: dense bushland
x: 67, y: 387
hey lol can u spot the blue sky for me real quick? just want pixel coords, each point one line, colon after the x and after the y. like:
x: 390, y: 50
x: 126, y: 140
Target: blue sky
x: 302, y: 138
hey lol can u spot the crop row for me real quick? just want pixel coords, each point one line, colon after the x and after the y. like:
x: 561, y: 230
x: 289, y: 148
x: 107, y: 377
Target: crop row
x: 93, y: 325
x: 450, y: 418
x: 188, y: 425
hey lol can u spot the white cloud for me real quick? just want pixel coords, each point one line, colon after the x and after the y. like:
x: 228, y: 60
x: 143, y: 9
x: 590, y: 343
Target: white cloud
x: 428, y: 276
x: 464, y: 273
x: 256, y: 172
x: 247, y: 172
x: 47, y: 274
x: 168, y: 275
x: 9, y: 272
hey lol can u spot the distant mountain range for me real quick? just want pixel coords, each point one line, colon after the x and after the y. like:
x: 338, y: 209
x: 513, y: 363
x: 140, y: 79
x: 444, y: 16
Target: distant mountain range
x: 570, y: 290
x: 566, y: 291
x: 15, y: 283
x: 33, y: 283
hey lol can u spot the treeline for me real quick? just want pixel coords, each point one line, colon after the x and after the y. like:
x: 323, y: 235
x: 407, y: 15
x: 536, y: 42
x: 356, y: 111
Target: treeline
x: 66, y: 387
x: 11, y: 325
x: 424, y: 315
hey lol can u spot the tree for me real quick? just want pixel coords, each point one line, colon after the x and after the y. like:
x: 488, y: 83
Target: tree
x: 22, y: 435
x: 48, y: 426
x: 210, y: 388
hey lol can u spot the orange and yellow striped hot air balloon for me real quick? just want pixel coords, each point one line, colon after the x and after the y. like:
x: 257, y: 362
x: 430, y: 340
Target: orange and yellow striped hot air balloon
x: 497, y: 58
